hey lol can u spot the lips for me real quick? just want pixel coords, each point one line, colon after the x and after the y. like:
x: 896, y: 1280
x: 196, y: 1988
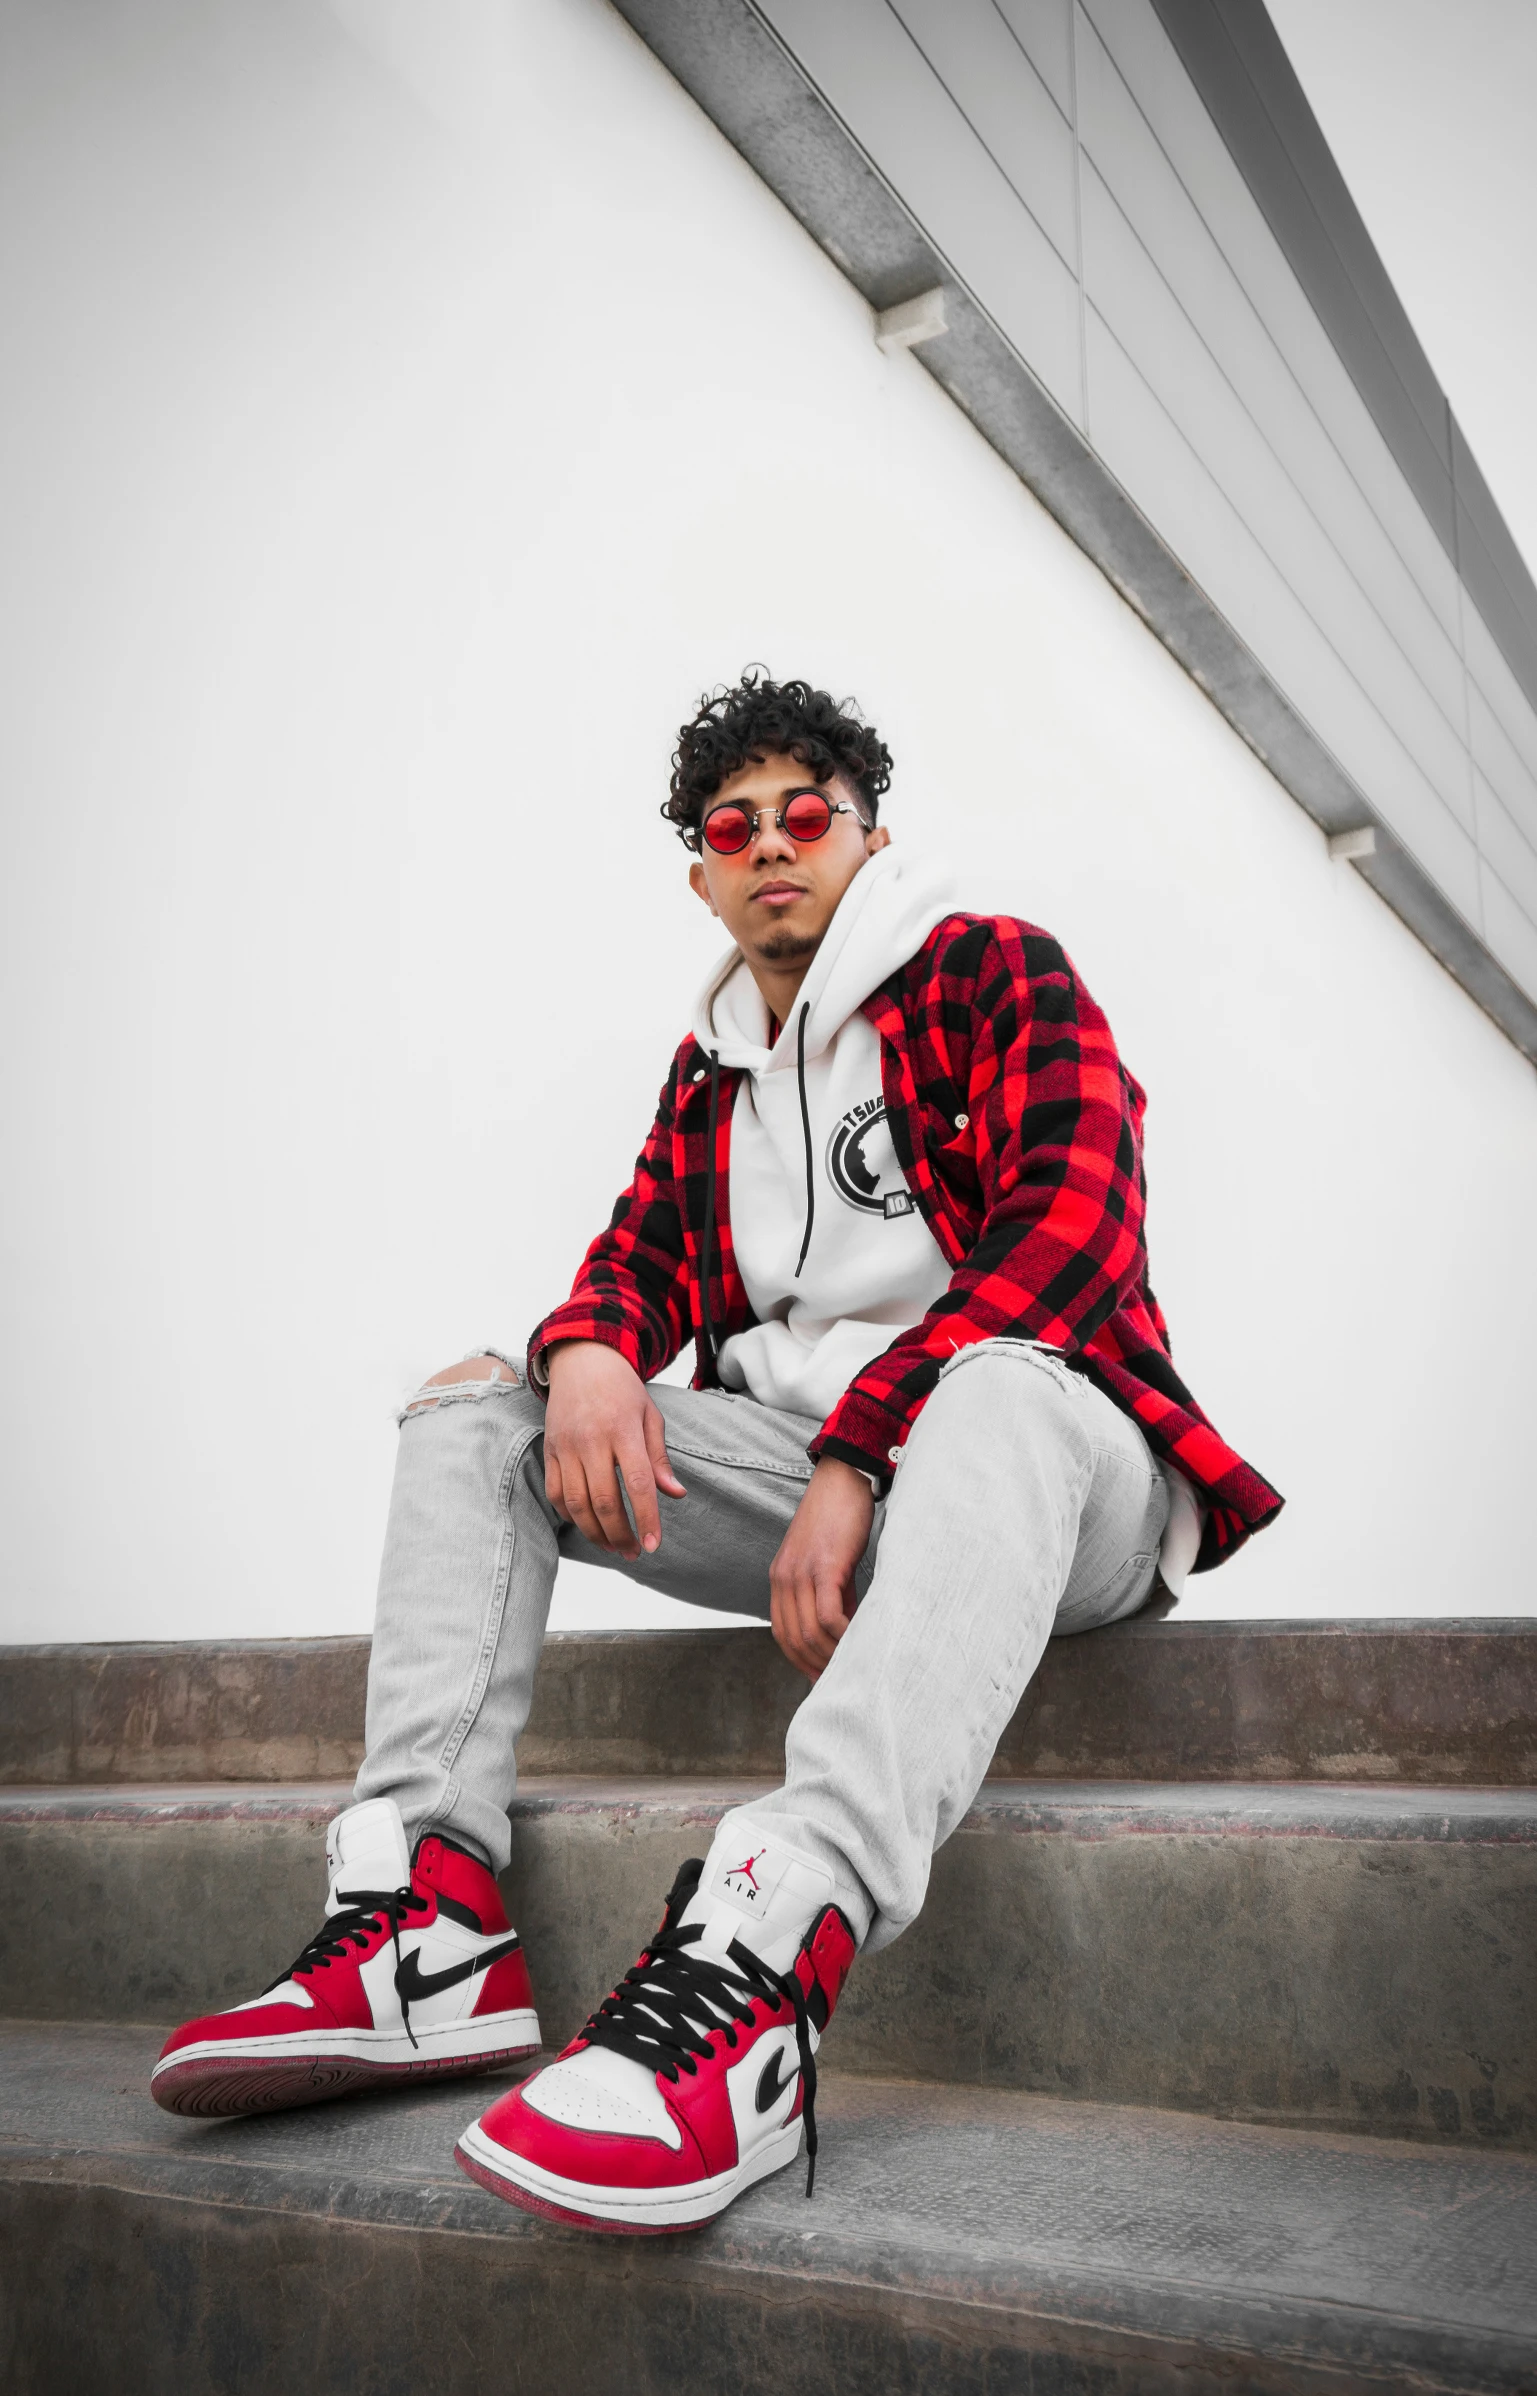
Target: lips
x: 778, y: 894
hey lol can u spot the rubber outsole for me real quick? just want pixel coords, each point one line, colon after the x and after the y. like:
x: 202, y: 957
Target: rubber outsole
x: 527, y: 2202
x: 208, y: 2088
x: 765, y: 2164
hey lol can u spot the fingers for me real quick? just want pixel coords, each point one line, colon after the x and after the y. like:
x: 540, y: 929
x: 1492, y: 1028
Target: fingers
x: 596, y: 1515
x: 636, y: 1471
x: 589, y: 1490
x: 604, y: 1443
x: 833, y: 1606
x: 579, y: 1509
x: 812, y: 1577
x: 784, y: 1620
x: 608, y: 1506
x: 809, y: 1649
x: 656, y: 1448
x: 809, y: 1614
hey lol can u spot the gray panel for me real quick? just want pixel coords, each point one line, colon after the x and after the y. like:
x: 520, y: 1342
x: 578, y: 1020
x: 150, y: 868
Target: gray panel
x: 1509, y: 931
x: 1234, y: 57
x: 1235, y: 60
x: 1043, y: 29
x: 862, y: 59
x: 1146, y: 61
x: 1162, y: 216
x: 1181, y: 375
x: 1145, y: 447
x: 1507, y: 850
x: 1491, y: 677
x: 1497, y: 763
x: 1505, y: 582
x: 1494, y: 572
x: 971, y: 50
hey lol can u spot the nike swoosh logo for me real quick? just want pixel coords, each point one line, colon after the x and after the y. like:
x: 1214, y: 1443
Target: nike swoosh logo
x: 770, y: 2086
x: 412, y: 1983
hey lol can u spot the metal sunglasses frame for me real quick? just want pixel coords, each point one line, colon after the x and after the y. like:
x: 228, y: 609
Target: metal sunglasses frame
x: 692, y: 835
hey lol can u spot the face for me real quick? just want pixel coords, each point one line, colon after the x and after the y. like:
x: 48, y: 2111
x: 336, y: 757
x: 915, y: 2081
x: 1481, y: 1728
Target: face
x: 777, y: 897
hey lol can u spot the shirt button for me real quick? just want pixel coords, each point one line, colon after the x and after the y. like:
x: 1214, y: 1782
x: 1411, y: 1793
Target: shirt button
x: 699, y: 1076
x: 893, y: 1455
x: 961, y: 1122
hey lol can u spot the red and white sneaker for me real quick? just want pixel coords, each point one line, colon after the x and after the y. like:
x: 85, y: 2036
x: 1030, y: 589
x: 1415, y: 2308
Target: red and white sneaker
x: 415, y: 1972
x: 694, y: 2078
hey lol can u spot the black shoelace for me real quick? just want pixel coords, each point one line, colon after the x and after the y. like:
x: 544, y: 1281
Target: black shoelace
x: 363, y: 1911
x: 667, y: 2006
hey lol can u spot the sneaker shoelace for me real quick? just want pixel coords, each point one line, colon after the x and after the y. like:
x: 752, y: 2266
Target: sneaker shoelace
x: 668, y: 2006
x: 363, y: 1912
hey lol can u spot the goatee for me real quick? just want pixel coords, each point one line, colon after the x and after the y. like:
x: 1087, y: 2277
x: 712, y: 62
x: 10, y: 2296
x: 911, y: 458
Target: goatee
x: 785, y: 948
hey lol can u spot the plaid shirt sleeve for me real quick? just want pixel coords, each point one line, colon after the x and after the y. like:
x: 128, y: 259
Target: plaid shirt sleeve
x: 1052, y: 1143
x: 632, y: 1292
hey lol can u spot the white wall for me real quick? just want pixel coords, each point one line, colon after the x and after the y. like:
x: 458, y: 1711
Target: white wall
x: 410, y: 409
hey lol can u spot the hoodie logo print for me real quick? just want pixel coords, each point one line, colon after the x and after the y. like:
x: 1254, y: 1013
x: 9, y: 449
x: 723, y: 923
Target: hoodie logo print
x: 857, y: 1158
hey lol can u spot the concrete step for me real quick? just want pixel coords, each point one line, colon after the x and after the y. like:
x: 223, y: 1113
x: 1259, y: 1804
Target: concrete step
x: 980, y: 2244
x: 1436, y: 1703
x: 1318, y: 1955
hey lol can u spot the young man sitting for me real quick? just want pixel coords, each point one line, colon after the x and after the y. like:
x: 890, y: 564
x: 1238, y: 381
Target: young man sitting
x: 894, y: 1195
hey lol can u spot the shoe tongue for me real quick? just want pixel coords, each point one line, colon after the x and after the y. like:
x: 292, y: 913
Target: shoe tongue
x: 366, y: 1849
x: 760, y: 1890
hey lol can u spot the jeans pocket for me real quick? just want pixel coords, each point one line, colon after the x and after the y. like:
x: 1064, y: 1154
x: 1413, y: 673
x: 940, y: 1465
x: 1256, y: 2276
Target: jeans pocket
x: 1123, y: 1594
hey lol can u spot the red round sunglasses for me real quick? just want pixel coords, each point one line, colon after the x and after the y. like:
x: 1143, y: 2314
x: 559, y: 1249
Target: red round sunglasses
x: 804, y: 816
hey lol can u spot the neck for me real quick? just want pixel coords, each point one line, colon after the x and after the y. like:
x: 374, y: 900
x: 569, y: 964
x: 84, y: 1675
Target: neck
x: 780, y: 985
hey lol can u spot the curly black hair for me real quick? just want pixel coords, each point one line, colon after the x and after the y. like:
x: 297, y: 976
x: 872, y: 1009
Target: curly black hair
x: 761, y: 717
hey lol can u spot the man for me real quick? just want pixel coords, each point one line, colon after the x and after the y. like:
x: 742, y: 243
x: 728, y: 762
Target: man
x: 894, y: 1193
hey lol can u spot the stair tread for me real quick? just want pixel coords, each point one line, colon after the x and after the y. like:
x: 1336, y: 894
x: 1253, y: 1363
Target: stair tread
x: 1434, y: 1702
x: 1341, y: 2251
x: 1095, y: 1808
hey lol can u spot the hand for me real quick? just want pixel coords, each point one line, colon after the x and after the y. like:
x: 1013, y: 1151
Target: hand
x: 602, y: 1432
x: 812, y: 1577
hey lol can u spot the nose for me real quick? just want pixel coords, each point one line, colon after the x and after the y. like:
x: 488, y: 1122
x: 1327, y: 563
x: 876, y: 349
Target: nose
x: 769, y: 839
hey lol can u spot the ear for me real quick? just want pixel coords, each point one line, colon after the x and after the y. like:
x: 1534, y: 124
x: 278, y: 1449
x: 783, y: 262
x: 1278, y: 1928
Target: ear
x: 879, y: 838
x: 699, y: 886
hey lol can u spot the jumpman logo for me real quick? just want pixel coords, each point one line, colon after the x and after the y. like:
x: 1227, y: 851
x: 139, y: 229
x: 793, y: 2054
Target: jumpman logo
x: 744, y: 1871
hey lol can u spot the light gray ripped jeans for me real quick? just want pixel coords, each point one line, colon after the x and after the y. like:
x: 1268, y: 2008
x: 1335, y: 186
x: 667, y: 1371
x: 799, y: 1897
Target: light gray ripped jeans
x: 1026, y: 1504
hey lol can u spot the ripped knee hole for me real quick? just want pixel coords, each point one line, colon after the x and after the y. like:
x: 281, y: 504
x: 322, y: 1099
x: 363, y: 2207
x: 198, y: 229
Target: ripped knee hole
x: 477, y: 1371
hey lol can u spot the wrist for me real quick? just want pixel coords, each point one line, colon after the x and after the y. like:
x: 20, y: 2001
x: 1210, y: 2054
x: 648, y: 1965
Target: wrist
x: 553, y: 1362
x: 834, y: 1468
x: 856, y: 1460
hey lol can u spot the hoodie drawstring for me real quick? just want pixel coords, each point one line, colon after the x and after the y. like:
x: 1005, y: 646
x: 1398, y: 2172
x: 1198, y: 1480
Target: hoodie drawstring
x: 706, y: 1320
x: 800, y: 1075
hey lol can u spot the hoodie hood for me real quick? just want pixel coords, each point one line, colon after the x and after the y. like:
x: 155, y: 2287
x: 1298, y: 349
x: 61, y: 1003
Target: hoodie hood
x: 882, y: 919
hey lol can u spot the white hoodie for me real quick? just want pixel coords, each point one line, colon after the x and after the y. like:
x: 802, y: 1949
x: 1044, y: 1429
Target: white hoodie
x: 871, y: 1265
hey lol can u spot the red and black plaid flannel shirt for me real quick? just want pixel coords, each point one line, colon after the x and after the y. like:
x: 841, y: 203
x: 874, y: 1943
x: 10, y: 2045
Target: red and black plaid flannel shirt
x: 1020, y: 1134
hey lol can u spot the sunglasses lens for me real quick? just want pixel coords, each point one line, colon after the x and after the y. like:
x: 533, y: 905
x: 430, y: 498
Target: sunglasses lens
x: 807, y: 816
x: 727, y: 829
